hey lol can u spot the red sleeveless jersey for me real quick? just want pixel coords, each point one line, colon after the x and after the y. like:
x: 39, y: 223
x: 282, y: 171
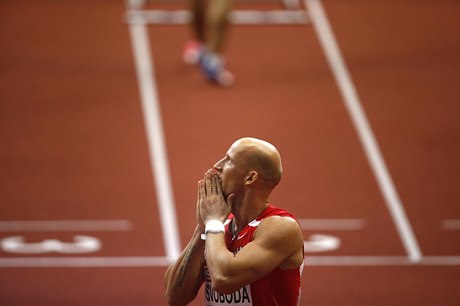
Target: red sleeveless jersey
x: 279, y: 287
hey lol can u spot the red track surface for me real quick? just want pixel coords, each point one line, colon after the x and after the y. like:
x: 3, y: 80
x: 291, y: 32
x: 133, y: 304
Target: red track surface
x: 73, y: 145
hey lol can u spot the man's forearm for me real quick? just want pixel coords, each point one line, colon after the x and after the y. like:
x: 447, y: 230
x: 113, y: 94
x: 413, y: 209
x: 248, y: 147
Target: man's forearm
x: 219, y: 260
x: 184, y: 277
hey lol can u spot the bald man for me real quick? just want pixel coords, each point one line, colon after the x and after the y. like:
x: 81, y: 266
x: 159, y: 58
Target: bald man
x: 245, y: 250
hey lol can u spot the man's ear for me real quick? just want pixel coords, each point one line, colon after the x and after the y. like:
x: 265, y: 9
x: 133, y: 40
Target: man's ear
x: 251, y: 177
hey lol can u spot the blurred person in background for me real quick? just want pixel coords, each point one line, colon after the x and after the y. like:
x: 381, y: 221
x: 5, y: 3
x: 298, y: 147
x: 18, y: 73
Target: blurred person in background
x: 209, y: 31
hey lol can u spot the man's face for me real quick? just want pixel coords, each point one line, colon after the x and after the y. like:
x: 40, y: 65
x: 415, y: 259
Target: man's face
x: 231, y: 171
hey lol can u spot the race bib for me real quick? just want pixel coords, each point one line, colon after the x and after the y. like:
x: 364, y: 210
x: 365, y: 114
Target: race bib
x: 241, y: 297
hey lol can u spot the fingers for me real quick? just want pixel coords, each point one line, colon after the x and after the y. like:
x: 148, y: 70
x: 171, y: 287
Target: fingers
x: 208, y: 182
x: 201, y: 191
x: 218, y: 185
x: 212, y: 203
x: 212, y: 184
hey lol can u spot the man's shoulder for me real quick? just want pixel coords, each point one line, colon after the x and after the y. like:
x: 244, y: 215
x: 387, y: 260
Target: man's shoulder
x: 273, y: 210
x: 280, y: 226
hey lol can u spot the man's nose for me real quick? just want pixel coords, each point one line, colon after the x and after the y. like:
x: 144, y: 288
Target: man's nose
x: 218, y: 165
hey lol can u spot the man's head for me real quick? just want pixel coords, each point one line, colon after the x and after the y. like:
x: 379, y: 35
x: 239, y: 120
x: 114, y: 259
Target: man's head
x: 249, y: 163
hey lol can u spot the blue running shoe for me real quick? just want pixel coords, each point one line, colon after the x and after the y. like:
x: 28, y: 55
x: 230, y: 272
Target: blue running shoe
x: 213, y: 68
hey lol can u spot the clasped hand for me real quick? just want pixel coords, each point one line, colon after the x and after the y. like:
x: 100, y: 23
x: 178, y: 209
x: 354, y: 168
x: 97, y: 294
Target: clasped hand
x: 211, y: 202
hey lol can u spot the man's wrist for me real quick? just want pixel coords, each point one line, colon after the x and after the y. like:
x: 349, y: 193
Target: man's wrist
x: 213, y: 227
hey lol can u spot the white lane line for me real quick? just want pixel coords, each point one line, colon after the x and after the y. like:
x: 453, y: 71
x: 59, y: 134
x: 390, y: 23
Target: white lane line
x: 156, y: 143
x: 247, y: 17
x: 332, y: 224
x: 135, y: 4
x: 381, y: 261
x: 65, y: 225
x: 450, y: 224
x: 161, y: 261
x: 372, y: 151
x: 83, y: 262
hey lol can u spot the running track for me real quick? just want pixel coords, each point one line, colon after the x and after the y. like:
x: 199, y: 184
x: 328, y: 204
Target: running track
x: 81, y: 156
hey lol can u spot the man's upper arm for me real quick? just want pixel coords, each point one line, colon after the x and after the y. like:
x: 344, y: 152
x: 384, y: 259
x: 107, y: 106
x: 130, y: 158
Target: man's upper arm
x: 276, y: 240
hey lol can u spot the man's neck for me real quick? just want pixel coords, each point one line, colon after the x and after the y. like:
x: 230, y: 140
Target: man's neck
x: 249, y: 210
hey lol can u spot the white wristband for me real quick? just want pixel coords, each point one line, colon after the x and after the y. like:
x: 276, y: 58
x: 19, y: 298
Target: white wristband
x: 213, y: 227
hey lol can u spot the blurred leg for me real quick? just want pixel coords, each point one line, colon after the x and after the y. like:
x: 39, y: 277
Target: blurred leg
x: 217, y: 23
x: 198, y: 10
